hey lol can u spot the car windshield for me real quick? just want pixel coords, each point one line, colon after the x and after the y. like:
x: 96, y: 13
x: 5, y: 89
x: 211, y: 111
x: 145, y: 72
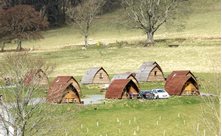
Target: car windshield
x: 160, y: 91
x: 145, y: 91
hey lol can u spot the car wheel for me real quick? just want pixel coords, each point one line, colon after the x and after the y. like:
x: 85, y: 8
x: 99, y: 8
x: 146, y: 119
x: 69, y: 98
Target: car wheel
x: 157, y: 97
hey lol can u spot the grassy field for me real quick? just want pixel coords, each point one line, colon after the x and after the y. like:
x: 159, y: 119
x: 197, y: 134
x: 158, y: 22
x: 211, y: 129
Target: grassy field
x: 197, y: 56
x: 178, y: 116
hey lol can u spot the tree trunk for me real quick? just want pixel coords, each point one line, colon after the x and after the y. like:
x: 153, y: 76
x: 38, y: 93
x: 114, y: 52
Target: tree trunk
x: 23, y: 129
x: 86, y: 41
x: 15, y: 132
x: 3, y: 46
x: 19, y: 45
x: 149, y: 41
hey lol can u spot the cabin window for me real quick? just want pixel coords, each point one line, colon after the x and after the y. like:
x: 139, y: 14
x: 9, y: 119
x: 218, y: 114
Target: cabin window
x: 155, y: 72
x: 100, y: 75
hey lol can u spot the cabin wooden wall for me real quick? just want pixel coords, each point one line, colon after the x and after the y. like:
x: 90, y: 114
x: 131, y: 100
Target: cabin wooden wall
x: 156, y: 75
x: 104, y: 79
x: 189, y: 89
x: 130, y: 90
x: 71, y: 96
x: 125, y: 95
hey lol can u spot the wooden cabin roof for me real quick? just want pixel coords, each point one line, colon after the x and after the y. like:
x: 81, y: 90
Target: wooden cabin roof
x: 116, y: 88
x: 57, y: 88
x: 145, y: 69
x: 90, y: 74
x: 175, y: 85
x: 123, y: 76
x: 31, y: 75
x: 181, y: 73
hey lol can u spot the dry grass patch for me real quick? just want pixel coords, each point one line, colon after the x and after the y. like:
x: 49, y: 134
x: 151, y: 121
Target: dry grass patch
x: 75, y: 61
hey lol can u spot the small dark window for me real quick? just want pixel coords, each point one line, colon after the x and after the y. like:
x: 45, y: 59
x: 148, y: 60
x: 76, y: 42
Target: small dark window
x: 100, y: 75
x: 155, y: 72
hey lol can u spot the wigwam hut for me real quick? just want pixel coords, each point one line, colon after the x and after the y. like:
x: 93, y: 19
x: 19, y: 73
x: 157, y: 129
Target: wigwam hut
x: 36, y: 76
x: 64, y: 89
x: 150, y: 71
x: 96, y: 75
x: 127, y: 75
x: 122, y: 88
x: 182, y: 83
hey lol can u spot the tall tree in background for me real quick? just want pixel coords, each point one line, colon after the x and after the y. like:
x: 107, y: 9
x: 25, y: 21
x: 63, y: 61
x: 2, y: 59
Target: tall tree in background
x: 84, y: 14
x: 15, y: 116
x: 21, y: 22
x: 54, y: 10
x: 149, y: 15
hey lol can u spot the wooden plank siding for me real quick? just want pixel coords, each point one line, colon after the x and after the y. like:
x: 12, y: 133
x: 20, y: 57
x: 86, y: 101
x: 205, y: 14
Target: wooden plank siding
x: 156, y: 75
x: 189, y: 89
x: 101, y: 77
x: 71, y: 95
x: 150, y: 71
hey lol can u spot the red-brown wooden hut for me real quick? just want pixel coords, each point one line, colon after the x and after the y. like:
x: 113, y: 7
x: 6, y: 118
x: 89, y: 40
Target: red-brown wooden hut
x: 64, y: 89
x: 36, y: 76
x: 122, y: 88
x: 182, y: 83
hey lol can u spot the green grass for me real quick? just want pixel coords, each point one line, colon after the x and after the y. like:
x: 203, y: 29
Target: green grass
x: 177, y: 116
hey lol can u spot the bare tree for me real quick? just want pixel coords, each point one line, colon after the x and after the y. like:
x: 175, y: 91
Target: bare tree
x: 84, y: 14
x: 19, y: 105
x: 149, y: 15
x: 21, y: 22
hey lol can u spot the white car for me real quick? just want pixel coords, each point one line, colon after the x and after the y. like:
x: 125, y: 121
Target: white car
x: 160, y: 94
